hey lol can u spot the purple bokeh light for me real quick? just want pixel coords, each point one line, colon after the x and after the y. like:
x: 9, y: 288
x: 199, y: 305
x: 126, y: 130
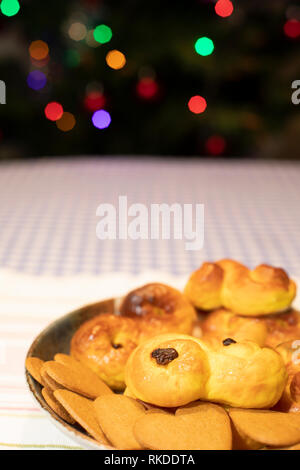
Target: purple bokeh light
x: 101, y: 119
x: 36, y: 80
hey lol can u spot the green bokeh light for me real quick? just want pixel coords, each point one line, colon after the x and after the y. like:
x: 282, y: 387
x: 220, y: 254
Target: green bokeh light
x: 9, y: 7
x: 204, y: 46
x: 102, y: 33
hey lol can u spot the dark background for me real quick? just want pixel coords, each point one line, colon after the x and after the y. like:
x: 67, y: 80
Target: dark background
x: 246, y: 81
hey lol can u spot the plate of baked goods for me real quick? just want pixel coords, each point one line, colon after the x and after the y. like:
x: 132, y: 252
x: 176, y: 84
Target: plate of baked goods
x: 215, y: 366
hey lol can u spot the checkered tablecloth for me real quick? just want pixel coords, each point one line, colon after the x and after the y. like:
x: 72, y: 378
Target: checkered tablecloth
x: 48, y: 213
x: 51, y: 260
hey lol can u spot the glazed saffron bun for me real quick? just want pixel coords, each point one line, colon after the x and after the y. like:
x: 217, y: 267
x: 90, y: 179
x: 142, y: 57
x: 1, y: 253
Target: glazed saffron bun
x: 104, y: 344
x: 157, y: 309
x: 290, y: 399
x: 175, y: 378
x: 227, y: 283
x: 173, y: 370
x: 268, y: 330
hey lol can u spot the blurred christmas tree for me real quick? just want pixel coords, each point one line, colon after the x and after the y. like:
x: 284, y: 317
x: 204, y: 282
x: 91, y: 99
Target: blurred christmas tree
x: 167, y: 78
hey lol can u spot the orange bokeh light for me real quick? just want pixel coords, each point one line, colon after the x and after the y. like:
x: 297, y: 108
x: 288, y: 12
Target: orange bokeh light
x: 38, y: 50
x: 66, y: 122
x: 115, y: 59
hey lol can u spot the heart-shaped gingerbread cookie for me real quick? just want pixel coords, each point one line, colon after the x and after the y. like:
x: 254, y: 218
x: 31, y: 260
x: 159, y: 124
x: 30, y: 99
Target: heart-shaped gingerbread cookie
x: 199, y: 426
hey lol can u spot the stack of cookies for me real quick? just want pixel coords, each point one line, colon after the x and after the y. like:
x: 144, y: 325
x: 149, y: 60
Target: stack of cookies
x: 78, y: 396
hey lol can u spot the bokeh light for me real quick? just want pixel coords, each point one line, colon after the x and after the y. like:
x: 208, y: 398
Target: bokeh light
x: 115, y: 59
x: 147, y: 88
x: 224, y: 8
x: 102, y: 33
x: 90, y: 40
x: 215, y: 145
x: 204, y: 46
x: 36, y: 80
x: 9, y: 7
x: 53, y: 111
x: 197, y: 104
x: 94, y: 100
x: 38, y: 50
x: 66, y: 122
x: 77, y: 31
x: 292, y: 28
x: 101, y: 119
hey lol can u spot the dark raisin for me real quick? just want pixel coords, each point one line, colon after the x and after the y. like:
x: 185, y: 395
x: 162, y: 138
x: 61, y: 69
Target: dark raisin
x: 228, y: 341
x: 164, y: 356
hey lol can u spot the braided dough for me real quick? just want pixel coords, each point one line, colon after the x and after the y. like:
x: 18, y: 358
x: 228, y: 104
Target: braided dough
x: 232, y: 285
x: 105, y: 342
x: 173, y: 370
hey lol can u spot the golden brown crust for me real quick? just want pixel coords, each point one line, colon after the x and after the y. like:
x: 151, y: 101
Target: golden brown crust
x: 236, y: 374
x: 105, y: 342
x: 269, y: 330
x: 226, y: 283
x: 158, y: 308
x: 290, y: 400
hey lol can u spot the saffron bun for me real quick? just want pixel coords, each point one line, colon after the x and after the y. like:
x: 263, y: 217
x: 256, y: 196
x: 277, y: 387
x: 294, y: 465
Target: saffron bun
x: 268, y: 330
x: 105, y: 342
x: 227, y: 283
x: 157, y: 309
x: 172, y: 370
x: 290, y: 399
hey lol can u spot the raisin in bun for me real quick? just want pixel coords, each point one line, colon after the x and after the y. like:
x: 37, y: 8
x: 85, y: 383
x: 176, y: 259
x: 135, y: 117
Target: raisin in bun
x: 173, y: 370
x: 267, y: 330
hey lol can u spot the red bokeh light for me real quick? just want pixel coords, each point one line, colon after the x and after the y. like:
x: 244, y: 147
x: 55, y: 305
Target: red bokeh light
x: 292, y: 28
x: 147, y: 88
x: 197, y: 104
x: 215, y: 145
x: 94, y: 101
x: 224, y: 8
x: 54, y: 111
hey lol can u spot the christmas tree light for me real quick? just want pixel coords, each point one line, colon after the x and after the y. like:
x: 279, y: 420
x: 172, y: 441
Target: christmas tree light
x: 66, y: 122
x: 36, y: 80
x: 101, y: 119
x: 215, y: 145
x: 54, y: 111
x: 38, y: 50
x: 204, y: 46
x: 224, y: 8
x: 9, y: 7
x: 115, y: 59
x: 102, y: 34
x: 197, y: 104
